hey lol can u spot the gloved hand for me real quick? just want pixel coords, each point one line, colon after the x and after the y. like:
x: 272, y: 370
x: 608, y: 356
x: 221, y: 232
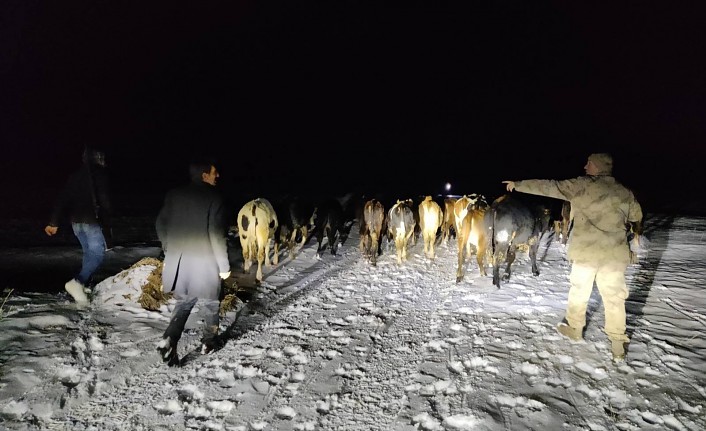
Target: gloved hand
x: 224, y: 275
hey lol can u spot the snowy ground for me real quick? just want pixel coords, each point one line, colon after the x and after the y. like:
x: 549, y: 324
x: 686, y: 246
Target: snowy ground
x: 336, y: 344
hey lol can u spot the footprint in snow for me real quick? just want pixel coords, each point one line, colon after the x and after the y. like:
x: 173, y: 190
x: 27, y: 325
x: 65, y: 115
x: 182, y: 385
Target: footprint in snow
x: 286, y: 413
x: 597, y: 374
x: 223, y: 406
x: 441, y: 386
x: 69, y: 376
x: 189, y: 393
x: 274, y: 354
x: 168, y: 407
x: 529, y: 369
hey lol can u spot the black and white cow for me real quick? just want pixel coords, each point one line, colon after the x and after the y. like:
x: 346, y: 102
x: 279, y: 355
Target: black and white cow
x: 511, y: 222
x: 257, y: 222
x: 329, y: 223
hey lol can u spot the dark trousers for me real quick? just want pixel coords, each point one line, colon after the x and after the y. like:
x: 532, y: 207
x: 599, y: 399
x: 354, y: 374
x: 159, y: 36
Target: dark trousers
x: 182, y: 310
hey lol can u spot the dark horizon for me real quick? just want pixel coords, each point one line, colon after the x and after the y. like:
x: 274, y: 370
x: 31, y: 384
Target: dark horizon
x: 353, y: 95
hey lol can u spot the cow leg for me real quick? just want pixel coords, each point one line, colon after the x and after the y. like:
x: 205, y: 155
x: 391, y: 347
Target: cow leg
x: 496, y: 271
x: 480, y: 257
x: 245, y: 248
x: 511, y: 251
x: 252, y: 256
x: 374, y: 247
x: 398, y: 249
x: 406, y: 243
x: 533, y: 257
x: 260, y: 256
x: 459, y: 269
x: 319, y: 240
x: 277, y: 243
x: 267, y: 254
x: 332, y: 240
x: 364, y: 245
x: 565, y: 231
x: 557, y: 230
x: 305, y: 236
x: 258, y: 274
x: 291, y: 241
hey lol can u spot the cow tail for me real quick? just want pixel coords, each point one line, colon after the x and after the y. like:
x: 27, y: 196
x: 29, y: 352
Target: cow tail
x: 492, y: 232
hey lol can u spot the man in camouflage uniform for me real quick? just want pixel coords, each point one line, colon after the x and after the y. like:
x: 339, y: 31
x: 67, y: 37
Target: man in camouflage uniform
x: 598, y: 248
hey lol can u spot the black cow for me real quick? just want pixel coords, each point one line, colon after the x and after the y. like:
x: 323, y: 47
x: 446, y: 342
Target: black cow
x: 511, y: 222
x: 295, y: 223
x: 328, y: 221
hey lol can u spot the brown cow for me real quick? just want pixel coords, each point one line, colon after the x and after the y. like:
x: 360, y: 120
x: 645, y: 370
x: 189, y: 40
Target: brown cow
x: 472, y: 232
x: 448, y: 222
x: 563, y: 226
x: 430, y: 219
x: 371, y: 229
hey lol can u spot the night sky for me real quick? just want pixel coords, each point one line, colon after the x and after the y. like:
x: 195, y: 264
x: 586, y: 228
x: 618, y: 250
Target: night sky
x: 343, y: 94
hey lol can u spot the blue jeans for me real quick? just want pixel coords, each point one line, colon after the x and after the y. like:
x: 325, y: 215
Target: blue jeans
x: 93, y: 245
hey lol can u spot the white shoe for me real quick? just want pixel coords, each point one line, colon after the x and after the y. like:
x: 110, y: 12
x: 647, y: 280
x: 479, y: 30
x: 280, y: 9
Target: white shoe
x: 76, y: 290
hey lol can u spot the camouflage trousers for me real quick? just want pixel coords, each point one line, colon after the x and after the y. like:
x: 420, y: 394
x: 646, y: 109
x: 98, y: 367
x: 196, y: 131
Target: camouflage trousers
x: 610, y: 280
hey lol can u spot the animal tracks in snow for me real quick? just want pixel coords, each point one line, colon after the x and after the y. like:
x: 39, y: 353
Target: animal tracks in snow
x: 335, y: 343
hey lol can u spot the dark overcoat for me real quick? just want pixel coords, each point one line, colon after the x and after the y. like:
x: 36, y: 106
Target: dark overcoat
x: 191, y: 226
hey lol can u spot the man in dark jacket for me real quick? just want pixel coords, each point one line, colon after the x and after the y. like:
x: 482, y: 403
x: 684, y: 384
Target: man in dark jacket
x: 85, y: 199
x: 191, y: 226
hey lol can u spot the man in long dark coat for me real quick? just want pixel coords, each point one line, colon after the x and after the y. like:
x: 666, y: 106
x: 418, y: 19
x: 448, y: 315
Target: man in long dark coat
x: 191, y: 226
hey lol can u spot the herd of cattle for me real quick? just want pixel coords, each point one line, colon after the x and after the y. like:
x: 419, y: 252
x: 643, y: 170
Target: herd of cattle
x: 492, y: 231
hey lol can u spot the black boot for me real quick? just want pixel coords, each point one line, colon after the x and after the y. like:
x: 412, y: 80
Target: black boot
x: 168, y: 352
x: 210, y: 341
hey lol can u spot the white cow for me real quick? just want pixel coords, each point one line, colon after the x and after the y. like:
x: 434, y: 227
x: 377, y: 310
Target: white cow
x: 257, y: 223
x: 400, y: 226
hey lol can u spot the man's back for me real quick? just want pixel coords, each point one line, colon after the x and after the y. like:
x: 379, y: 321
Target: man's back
x: 601, y: 208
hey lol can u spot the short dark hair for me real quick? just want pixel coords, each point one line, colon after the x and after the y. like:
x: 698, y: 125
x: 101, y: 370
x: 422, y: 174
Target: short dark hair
x: 200, y: 166
x: 93, y: 156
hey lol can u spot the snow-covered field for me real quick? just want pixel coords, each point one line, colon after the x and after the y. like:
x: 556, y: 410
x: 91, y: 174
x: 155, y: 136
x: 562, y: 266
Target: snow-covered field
x: 333, y: 343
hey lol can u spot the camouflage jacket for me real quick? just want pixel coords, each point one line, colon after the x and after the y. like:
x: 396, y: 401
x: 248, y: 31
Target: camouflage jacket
x: 601, y: 207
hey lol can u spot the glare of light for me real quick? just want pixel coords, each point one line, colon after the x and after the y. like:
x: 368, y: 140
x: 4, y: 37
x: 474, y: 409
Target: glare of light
x: 447, y: 186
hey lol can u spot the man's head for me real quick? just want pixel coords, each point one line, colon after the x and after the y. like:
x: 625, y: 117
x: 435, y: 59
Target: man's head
x: 93, y: 157
x: 599, y: 164
x: 203, y: 171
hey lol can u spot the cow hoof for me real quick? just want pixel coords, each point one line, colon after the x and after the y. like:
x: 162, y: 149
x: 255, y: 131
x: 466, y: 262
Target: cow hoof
x: 536, y: 273
x: 458, y: 279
